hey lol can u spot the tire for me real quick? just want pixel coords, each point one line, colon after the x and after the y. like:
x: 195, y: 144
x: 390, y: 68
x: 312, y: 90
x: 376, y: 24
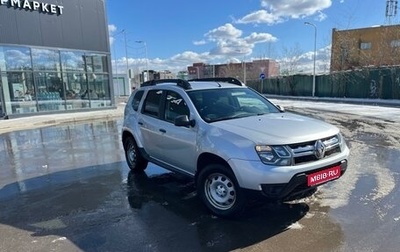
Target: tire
x: 220, y: 191
x: 134, y: 159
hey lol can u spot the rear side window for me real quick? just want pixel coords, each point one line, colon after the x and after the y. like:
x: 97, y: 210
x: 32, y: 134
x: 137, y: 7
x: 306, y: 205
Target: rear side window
x: 136, y: 100
x: 151, y: 104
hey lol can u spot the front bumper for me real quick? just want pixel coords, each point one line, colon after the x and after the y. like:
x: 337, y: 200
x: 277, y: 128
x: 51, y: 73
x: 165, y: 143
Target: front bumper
x: 252, y: 174
x: 297, y: 186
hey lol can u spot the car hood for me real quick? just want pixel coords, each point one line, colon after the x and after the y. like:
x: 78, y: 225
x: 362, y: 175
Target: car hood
x: 278, y: 128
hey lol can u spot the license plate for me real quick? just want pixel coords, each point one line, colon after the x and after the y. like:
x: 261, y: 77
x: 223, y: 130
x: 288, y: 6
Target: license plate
x: 323, y: 176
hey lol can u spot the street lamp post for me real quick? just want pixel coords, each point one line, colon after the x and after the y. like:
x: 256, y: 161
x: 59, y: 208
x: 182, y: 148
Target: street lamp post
x: 147, y: 63
x: 116, y: 60
x: 126, y: 58
x: 315, y: 53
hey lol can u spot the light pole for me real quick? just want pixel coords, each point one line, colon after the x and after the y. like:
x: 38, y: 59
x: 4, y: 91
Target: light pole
x: 126, y: 58
x: 147, y: 63
x: 315, y: 54
x: 116, y: 63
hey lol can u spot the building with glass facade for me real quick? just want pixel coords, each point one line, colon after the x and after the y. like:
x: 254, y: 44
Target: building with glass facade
x: 54, y: 57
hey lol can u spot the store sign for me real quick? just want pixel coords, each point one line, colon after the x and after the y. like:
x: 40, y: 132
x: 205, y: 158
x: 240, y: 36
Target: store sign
x: 34, y: 6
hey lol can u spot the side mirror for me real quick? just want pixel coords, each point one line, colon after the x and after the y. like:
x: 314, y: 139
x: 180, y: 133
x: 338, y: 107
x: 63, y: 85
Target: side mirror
x: 281, y: 108
x: 183, y: 120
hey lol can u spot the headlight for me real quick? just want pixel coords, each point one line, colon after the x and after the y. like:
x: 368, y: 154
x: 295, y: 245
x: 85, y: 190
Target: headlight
x: 274, y: 155
x: 342, y: 142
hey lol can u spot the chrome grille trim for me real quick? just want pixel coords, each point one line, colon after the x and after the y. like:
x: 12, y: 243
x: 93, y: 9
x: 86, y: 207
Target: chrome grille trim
x: 305, y: 152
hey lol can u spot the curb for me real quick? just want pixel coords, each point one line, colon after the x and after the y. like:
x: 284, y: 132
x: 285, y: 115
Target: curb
x: 39, y: 121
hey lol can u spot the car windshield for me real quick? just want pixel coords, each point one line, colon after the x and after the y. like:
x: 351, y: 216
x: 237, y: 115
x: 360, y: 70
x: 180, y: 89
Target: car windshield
x: 225, y: 104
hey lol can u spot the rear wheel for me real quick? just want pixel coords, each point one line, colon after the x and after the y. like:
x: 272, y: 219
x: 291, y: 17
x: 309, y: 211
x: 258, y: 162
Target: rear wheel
x: 135, y: 160
x: 219, y: 190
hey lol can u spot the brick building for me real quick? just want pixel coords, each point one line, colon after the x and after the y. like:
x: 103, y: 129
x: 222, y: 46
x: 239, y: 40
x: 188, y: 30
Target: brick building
x: 365, y: 47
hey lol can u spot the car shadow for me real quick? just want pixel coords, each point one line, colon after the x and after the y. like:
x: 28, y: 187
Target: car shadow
x: 107, y: 208
x: 176, y: 194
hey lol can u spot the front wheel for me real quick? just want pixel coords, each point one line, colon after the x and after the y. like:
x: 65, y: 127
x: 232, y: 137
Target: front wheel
x: 135, y: 160
x: 220, y: 191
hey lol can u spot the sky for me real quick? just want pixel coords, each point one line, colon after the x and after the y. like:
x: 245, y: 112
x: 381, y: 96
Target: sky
x: 172, y: 35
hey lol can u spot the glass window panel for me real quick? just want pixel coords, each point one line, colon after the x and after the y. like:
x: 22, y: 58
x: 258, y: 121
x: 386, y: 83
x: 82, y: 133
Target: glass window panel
x: 395, y: 43
x: 60, y: 80
x: 75, y: 90
x: 45, y: 60
x: 72, y: 61
x: 98, y: 91
x: 19, y: 85
x: 96, y: 63
x: 365, y: 45
x: 50, y: 91
x: 152, y: 103
x: 21, y: 92
x: 15, y: 58
x: 175, y: 106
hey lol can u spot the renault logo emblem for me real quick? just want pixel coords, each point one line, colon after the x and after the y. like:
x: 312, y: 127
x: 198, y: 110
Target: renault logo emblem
x: 319, y: 149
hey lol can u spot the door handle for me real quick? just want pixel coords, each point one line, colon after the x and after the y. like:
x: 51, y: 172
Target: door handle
x: 163, y: 130
x: 140, y: 123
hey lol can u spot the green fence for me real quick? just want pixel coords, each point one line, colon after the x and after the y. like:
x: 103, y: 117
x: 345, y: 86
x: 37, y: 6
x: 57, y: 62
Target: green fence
x: 375, y: 84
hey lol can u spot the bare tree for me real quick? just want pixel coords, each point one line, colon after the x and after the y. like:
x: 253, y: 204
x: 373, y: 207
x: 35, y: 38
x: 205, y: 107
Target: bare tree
x: 289, y: 65
x: 290, y: 60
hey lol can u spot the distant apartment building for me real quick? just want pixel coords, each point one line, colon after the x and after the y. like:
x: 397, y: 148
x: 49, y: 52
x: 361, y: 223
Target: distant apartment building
x: 139, y: 77
x: 365, y: 47
x: 163, y: 75
x: 243, y: 70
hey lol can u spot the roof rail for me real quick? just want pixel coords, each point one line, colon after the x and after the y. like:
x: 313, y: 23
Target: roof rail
x: 230, y: 80
x: 179, y: 82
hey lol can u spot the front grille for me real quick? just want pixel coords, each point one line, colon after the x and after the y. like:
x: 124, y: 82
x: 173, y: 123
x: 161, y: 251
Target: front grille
x: 307, y: 151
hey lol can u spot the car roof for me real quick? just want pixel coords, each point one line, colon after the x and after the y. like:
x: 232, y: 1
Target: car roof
x: 196, y: 84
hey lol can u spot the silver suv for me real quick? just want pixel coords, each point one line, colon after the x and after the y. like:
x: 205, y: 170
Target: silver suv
x: 231, y: 140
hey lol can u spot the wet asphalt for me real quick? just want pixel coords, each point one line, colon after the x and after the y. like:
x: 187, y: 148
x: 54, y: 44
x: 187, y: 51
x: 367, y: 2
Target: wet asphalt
x: 68, y: 188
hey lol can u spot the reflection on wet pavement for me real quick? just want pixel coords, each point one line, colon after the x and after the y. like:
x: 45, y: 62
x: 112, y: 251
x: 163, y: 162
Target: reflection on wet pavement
x: 68, y: 188
x: 27, y: 154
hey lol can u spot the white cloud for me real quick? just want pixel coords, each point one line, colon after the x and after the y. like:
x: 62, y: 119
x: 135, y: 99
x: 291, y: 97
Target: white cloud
x: 227, y: 31
x: 229, y: 41
x: 200, y: 42
x: 321, y: 16
x: 260, y: 17
x: 222, y: 54
x: 260, y: 37
x: 296, y: 9
x: 276, y: 11
x: 189, y: 57
x: 111, y: 28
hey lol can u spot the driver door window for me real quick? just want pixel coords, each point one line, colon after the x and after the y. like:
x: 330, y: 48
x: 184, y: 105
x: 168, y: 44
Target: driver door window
x: 175, y: 106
